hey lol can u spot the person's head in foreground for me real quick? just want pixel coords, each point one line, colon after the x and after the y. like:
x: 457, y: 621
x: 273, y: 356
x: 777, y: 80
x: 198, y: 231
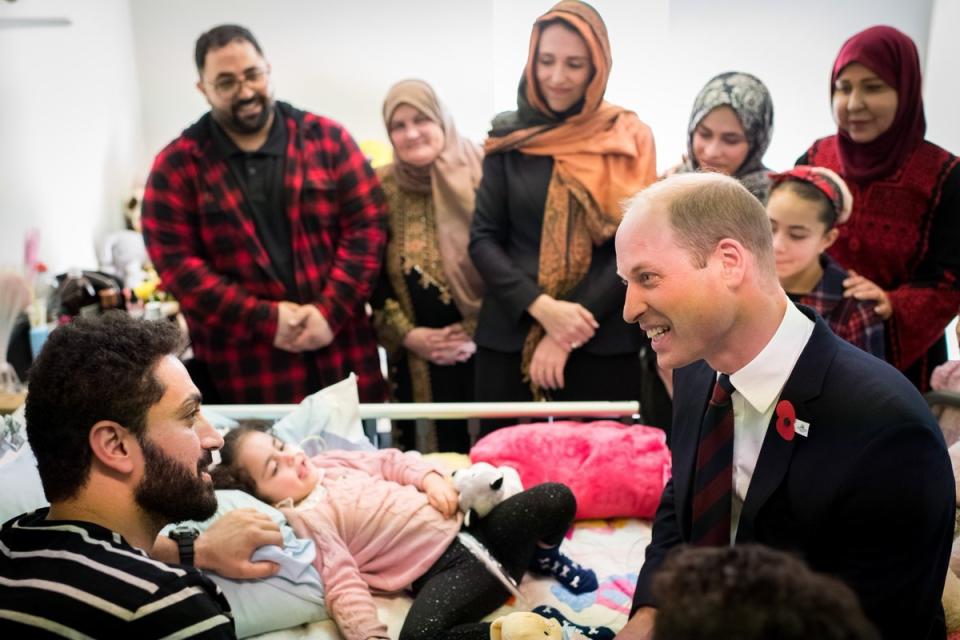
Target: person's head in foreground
x: 696, y: 254
x: 751, y: 592
x: 806, y: 206
x: 256, y: 461
x: 114, y: 421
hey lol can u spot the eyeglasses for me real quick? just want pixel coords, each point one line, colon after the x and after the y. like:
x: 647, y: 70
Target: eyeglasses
x: 227, y: 86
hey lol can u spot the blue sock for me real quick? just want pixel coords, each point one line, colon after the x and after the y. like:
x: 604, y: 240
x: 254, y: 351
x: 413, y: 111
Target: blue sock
x: 571, y: 575
x: 593, y: 633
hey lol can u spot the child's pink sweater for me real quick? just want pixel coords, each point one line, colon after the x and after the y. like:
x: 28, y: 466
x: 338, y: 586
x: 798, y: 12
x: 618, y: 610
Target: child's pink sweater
x: 373, y: 528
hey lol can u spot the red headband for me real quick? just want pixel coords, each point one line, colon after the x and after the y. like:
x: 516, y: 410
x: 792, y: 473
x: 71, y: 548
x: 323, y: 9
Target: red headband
x: 826, y: 181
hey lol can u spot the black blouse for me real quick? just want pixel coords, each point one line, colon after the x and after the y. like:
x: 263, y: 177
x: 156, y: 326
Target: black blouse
x: 505, y: 247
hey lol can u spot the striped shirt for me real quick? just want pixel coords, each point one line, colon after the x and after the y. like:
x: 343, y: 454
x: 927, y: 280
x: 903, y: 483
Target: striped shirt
x: 80, y: 580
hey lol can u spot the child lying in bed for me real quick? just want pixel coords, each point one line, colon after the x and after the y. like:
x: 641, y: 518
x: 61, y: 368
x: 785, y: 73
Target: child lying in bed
x: 386, y: 521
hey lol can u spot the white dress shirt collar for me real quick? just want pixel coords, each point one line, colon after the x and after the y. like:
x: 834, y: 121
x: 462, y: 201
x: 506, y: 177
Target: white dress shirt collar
x: 762, y: 379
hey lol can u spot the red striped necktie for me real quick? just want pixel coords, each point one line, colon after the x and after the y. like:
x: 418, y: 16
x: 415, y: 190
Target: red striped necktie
x: 713, y: 482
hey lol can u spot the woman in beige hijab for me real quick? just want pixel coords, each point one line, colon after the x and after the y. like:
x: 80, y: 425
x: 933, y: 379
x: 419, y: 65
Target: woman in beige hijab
x: 426, y: 306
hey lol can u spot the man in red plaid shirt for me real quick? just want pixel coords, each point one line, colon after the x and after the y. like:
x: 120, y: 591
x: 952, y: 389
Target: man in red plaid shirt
x: 268, y: 225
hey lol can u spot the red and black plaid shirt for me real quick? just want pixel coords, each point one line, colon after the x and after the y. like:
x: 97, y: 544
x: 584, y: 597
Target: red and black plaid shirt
x: 204, y: 245
x: 850, y: 319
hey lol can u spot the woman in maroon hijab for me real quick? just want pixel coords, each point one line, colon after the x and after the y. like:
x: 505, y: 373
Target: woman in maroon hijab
x: 902, y: 242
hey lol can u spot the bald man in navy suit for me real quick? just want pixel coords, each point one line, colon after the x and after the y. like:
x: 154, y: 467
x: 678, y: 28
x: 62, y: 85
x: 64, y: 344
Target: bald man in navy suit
x: 830, y: 453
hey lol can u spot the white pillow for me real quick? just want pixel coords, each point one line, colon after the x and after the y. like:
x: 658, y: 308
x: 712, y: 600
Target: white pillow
x: 327, y: 419
x: 20, y: 487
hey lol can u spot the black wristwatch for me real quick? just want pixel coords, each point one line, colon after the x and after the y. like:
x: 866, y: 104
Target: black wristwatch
x: 185, y: 537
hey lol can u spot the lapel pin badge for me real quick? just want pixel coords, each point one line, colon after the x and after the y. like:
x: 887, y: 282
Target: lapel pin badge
x: 802, y: 428
x: 786, y: 420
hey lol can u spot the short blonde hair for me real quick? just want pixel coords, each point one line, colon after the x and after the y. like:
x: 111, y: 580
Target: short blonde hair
x: 705, y: 208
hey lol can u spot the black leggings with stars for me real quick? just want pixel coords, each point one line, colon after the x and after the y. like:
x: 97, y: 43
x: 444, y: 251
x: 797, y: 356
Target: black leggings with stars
x: 458, y: 590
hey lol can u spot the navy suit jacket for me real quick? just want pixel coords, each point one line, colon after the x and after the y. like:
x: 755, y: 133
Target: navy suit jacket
x: 867, y: 496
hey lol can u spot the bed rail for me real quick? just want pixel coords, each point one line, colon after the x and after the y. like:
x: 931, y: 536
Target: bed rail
x: 449, y: 410
x: 377, y: 417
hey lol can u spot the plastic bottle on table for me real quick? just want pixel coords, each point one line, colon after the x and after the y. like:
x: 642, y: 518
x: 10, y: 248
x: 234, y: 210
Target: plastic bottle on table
x: 44, y: 302
x: 39, y: 309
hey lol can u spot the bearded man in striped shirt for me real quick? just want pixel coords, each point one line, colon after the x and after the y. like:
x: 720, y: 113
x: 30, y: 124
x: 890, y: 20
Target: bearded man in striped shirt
x: 122, y: 450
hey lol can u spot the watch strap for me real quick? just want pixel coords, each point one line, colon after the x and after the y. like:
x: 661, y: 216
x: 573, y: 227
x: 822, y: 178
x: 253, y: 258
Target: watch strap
x: 185, y: 538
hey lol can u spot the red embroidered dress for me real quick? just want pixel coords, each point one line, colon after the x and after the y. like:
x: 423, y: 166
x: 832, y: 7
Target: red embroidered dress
x: 904, y: 232
x: 904, y: 235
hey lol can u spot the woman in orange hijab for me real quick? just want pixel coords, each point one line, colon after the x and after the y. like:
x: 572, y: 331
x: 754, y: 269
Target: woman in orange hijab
x: 555, y: 174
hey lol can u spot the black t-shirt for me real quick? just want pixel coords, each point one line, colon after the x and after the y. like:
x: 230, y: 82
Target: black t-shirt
x: 260, y: 176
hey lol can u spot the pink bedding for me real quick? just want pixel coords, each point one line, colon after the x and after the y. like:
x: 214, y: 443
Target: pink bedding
x: 615, y: 470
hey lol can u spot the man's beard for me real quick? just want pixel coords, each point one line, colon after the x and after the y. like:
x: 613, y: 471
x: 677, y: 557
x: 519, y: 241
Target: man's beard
x: 171, y: 492
x: 230, y: 120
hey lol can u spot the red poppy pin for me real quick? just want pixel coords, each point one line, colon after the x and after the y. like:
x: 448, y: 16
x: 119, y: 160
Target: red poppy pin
x: 786, y: 417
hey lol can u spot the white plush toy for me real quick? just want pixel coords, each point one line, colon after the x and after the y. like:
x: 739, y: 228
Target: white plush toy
x: 483, y: 486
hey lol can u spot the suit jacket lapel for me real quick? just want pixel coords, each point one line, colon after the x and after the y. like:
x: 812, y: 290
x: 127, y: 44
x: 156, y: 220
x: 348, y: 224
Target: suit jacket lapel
x: 687, y: 421
x: 803, y: 385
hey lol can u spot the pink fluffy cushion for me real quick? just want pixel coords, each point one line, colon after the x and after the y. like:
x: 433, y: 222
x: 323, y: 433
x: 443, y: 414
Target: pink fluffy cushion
x: 614, y: 470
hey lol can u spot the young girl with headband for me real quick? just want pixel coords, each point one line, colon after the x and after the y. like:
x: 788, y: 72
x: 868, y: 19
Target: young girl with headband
x: 806, y: 206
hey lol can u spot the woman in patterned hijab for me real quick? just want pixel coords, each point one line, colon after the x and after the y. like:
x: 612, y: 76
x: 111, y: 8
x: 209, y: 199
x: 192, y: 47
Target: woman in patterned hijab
x: 729, y: 131
x: 730, y: 128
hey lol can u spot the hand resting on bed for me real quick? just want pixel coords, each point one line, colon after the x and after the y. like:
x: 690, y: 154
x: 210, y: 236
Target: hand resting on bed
x: 226, y: 546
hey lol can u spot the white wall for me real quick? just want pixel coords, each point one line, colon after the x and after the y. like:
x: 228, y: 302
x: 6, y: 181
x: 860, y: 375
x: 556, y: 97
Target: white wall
x: 334, y: 58
x: 69, y: 127
x: 941, y: 84
x: 942, y: 95
x: 473, y: 52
